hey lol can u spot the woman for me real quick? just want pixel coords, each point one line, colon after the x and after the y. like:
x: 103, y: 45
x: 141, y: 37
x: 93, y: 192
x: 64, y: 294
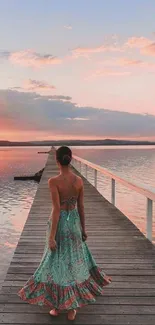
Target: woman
x: 67, y: 277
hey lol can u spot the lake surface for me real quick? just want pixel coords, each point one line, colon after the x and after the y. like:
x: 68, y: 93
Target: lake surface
x: 136, y: 164
x: 133, y: 163
x: 16, y: 197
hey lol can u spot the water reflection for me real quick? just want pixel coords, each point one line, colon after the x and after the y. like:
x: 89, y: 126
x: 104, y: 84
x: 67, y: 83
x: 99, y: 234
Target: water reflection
x: 136, y: 164
x: 16, y: 196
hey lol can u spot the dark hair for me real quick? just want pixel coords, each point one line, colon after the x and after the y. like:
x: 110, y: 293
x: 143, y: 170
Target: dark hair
x: 64, y: 155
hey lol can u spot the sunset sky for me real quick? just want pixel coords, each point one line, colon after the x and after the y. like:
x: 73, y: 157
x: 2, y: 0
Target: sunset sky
x: 77, y: 69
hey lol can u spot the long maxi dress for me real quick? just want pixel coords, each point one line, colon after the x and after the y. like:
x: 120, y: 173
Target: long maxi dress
x: 67, y: 278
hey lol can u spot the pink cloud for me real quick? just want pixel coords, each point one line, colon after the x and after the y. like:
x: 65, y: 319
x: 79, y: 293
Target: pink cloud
x: 149, y: 50
x: 133, y: 42
x: 129, y: 62
x: 108, y: 72
x: 138, y: 42
x: 85, y: 51
x: 31, y: 58
x: 35, y: 85
x: 145, y: 45
x: 136, y: 63
x: 112, y: 73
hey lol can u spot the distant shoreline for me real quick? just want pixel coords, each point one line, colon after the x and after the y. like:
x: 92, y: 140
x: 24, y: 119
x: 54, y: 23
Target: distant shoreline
x: 106, y: 142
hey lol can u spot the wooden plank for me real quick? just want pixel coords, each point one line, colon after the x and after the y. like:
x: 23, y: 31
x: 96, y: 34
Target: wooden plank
x: 37, y: 318
x: 116, y: 244
x: 112, y: 310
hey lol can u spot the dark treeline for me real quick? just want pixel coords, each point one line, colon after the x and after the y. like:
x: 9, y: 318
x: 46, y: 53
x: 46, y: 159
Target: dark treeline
x: 106, y: 142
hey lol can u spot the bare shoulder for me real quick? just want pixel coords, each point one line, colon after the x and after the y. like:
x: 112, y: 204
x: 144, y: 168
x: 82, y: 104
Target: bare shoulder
x: 79, y: 181
x: 52, y: 181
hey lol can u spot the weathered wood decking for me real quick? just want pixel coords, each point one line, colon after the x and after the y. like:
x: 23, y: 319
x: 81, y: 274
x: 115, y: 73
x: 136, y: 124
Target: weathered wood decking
x: 117, y: 245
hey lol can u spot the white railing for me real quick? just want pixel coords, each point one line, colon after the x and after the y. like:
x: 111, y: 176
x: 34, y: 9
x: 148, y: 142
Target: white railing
x: 77, y: 163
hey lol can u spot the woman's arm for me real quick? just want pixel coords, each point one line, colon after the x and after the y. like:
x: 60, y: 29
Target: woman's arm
x: 80, y: 207
x: 55, y: 212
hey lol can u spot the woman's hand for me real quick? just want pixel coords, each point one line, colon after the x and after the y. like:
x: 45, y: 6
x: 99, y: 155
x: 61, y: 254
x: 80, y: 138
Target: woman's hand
x: 84, y: 235
x: 52, y: 244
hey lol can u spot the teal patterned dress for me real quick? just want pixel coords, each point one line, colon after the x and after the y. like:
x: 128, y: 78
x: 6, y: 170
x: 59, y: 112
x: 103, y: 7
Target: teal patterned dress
x: 67, y: 278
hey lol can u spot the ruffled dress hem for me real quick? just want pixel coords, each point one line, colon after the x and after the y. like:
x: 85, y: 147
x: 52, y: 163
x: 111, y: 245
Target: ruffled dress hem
x: 75, y: 295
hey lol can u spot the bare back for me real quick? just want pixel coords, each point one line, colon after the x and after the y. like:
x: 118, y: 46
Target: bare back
x: 69, y: 187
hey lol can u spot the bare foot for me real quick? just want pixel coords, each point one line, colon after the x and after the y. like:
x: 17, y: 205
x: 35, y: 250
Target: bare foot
x: 108, y: 279
x: 72, y: 314
x: 54, y: 312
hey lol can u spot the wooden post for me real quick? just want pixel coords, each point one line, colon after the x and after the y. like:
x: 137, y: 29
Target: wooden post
x: 149, y: 219
x: 86, y: 170
x: 113, y: 191
x: 95, y: 178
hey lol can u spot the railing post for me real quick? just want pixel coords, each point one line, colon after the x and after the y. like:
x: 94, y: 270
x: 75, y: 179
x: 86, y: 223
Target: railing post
x: 113, y: 191
x: 149, y: 219
x: 86, y: 167
x: 95, y: 178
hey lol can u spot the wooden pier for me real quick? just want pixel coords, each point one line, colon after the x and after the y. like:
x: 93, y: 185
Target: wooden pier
x: 117, y: 245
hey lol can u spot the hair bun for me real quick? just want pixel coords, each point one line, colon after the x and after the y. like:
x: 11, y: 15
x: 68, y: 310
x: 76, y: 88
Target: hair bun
x: 64, y: 156
x: 66, y: 159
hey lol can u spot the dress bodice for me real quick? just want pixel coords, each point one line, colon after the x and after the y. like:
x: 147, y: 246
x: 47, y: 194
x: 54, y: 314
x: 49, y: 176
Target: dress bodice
x: 68, y: 202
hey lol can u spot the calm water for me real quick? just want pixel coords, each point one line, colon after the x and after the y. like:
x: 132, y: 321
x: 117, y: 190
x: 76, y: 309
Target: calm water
x: 136, y: 164
x: 16, y: 196
x: 133, y: 163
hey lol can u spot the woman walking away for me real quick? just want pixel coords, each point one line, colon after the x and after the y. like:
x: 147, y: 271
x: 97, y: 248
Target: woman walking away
x: 68, y: 276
